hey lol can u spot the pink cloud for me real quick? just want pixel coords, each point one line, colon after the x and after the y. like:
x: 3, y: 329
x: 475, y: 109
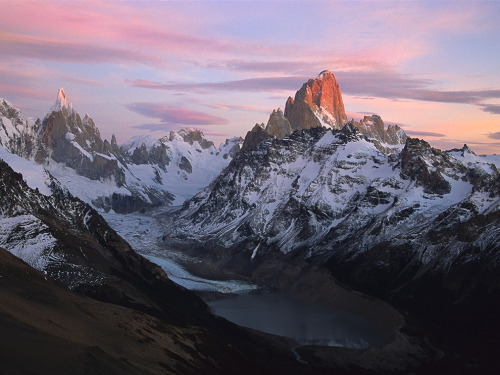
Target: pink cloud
x: 160, y: 28
x: 27, y: 46
x: 494, y: 135
x: 251, y: 84
x: 237, y: 107
x: 9, y: 91
x: 418, y: 133
x: 19, y: 88
x: 114, y: 24
x: 175, y: 115
x: 491, y: 108
x: 361, y: 60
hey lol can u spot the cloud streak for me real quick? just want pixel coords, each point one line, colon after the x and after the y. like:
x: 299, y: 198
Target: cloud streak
x: 418, y: 133
x: 27, y: 46
x: 380, y: 84
x: 494, y: 109
x: 251, y: 84
x: 238, y: 107
x: 175, y: 115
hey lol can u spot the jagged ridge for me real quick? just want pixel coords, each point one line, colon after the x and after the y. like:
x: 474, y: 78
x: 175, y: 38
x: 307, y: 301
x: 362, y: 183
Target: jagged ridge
x: 145, y: 172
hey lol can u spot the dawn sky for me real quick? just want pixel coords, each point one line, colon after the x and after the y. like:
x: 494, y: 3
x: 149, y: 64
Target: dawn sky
x: 148, y: 67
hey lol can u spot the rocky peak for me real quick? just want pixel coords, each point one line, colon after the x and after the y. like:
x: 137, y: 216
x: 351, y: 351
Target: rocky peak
x: 278, y: 125
x: 350, y: 131
x: 17, y: 134
x: 254, y: 137
x: 463, y: 151
x: 114, y: 144
x: 192, y: 135
x: 8, y: 110
x: 319, y: 104
x: 323, y: 98
x: 60, y: 101
x: 374, y: 128
x: 424, y: 164
x: 467, y: 150
x: 65, y: 138
x: 395, y: 135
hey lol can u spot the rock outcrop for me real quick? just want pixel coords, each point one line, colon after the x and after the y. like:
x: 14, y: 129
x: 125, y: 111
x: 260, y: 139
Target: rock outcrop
x: 374, y: 128
x: 193, y: 135
x: 321, y: 98
x: 319, y: 104
x: 278, y: 125
x: 254, y: 137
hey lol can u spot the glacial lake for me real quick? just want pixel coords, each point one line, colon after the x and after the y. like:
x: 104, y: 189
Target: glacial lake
x: 307, y: 323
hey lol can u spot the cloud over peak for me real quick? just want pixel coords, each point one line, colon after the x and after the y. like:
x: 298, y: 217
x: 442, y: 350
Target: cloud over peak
x: 175, y: 115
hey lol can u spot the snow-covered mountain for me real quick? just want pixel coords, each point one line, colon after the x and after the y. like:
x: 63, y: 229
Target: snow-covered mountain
x: 384, y: 219
x: 289, y: 194
x: 144, y: 172
x: 183, y: 163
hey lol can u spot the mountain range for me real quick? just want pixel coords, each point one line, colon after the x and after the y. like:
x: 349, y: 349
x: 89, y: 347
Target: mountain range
x: 349, y: 214
x: 143, y: 173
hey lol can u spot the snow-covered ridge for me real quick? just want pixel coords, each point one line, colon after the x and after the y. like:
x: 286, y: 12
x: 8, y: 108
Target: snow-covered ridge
x: 467, y: 156
x: 35, y: 175
x: 144, y: 172
x: 26, y: 237
x: 137, y: 141
x: 189, y: 165
x: 290, y: 194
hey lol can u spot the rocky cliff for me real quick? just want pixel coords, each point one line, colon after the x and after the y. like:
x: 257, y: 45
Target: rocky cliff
x: 318, y: 100
x: 319, y: 103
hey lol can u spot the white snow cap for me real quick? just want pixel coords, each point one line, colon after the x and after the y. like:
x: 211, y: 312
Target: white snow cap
x: 60, y: 101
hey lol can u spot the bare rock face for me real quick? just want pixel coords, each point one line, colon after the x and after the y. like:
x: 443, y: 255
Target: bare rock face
x: 278, y: 125
x: 374, y: 128
x: 373, y: 125
x: 300, y: 115
x: 194, y: 135
x: 67, y: 138
x: 254, y: 137
x: 395, y: 135
x: 321, y: 96
x: 415, y: 158
x: 17, y: 134
x: 185, y: 165
x: 319, y: 104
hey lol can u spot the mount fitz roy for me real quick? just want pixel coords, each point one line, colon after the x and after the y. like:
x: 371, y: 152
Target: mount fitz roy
x: 144, y: 172
x: 319, y: 104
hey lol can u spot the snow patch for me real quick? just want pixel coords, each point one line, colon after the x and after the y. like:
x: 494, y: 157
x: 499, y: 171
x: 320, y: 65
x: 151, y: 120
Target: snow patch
x: 34, y: 174
x: 27, y: 238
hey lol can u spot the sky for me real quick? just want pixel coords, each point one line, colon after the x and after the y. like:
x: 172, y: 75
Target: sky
x: 148, y: 67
